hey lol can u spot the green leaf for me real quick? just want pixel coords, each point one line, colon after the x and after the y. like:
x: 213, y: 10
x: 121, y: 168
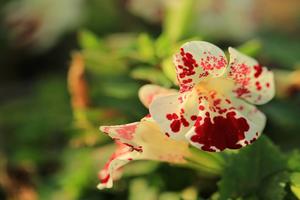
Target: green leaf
x: 152, y: 75
x: 139, y: 168
x: 256, y: 166
x: 88, y: 40
x: 169, y: 196
x: 169, y: 69
x: 163, y: 46
x: 295, y: 184
x: 273, y: 187
x: 177, y: 19
x: 251, y: 48
x: 294, y: 161
x: 140, y: 189
x: 146, y: 48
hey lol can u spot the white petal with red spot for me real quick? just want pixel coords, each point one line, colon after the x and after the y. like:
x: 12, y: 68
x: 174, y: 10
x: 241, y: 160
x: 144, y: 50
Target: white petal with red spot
x: 173, y: 113
x: 121, y: 157
x: 226, y: 123
x: 147, y: 93
x: 197, y: 61
x: 252, y: 82
x: 154, y: 145
x: 124, y: 133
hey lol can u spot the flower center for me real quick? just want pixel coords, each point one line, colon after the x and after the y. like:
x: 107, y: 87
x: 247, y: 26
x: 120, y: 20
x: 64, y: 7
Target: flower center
x: 221, y: 85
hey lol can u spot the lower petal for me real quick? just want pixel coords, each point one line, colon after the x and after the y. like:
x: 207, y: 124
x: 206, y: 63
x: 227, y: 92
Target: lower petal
x: 121, y: 157
x: 227, y: 123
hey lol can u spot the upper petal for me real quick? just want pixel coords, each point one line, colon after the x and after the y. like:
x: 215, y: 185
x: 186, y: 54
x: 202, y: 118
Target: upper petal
x: 196, y: 61
x: 252, y: 82
x: 148, y: 92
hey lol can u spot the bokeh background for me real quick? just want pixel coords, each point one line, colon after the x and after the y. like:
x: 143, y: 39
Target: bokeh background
x: 69, y: 66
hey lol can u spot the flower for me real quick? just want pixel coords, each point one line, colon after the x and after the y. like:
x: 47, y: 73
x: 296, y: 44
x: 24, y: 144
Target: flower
x: 142, y: 140
x: 213, y: 110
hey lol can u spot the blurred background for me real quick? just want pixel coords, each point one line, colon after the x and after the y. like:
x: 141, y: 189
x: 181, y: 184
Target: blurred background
x: 69, y: 66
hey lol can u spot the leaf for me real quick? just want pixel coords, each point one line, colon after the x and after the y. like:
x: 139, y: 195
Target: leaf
x: 254, y: 167
x: 295, y: 184
x: 88, y: 40
x: 169, y: 196
x: 294, y: 161
x: 139, y: 168
x: 177, y: 19
x: 169, y: 70
x: 251, y: 47
x: 152, y: 75
x: 146, y: 48
x: 140, y: 189
x: 274, y: 187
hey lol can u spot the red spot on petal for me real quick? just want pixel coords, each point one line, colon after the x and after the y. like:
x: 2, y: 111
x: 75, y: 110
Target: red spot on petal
x: 201, y: 107
x: 127, y: 132
x: 193, y: 117
x: 258, y: 71
x: 175, y: 126
x: 169, y: 116
x: 221, y: 132
x: 105, y: 179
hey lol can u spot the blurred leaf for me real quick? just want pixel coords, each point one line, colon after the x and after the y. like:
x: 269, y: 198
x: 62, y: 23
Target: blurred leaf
x: 281, y: 49
x: 251, y: 47
x: 139, y: 189
x: 295, y: 184
x: 178, y: 15
x: 37, y: 124
x: 273, y: 187
x: 189, y: 193
x: 146, y: 48
x: 253, y: 168
x: 140, y: 168
x: 104, y: 63
x: 163, y: 46
x: 169, y: 196
x: 152, y: 75
x: 88, y: 40
x: 169, y: 69
x: 294, y: 161
x: 119, y: 90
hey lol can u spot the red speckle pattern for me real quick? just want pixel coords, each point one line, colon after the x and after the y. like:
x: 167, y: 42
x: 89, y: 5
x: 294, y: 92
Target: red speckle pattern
x: 220, y: 132
x: 191, y: 67
x: 258, y: 70
x: 177, y: 121
x: 211, y: 62
x: 127, y: 132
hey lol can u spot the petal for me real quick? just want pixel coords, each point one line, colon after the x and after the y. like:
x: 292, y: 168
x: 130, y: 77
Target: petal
x: 158, y: 146
x: 173, y: 113
x: 154, y: 146
x: 252, y: 82
x: 121, y: 157
x: 225, y: 122
x: 124, y: 133
x: 148, y: 92
x: 196, y: 61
